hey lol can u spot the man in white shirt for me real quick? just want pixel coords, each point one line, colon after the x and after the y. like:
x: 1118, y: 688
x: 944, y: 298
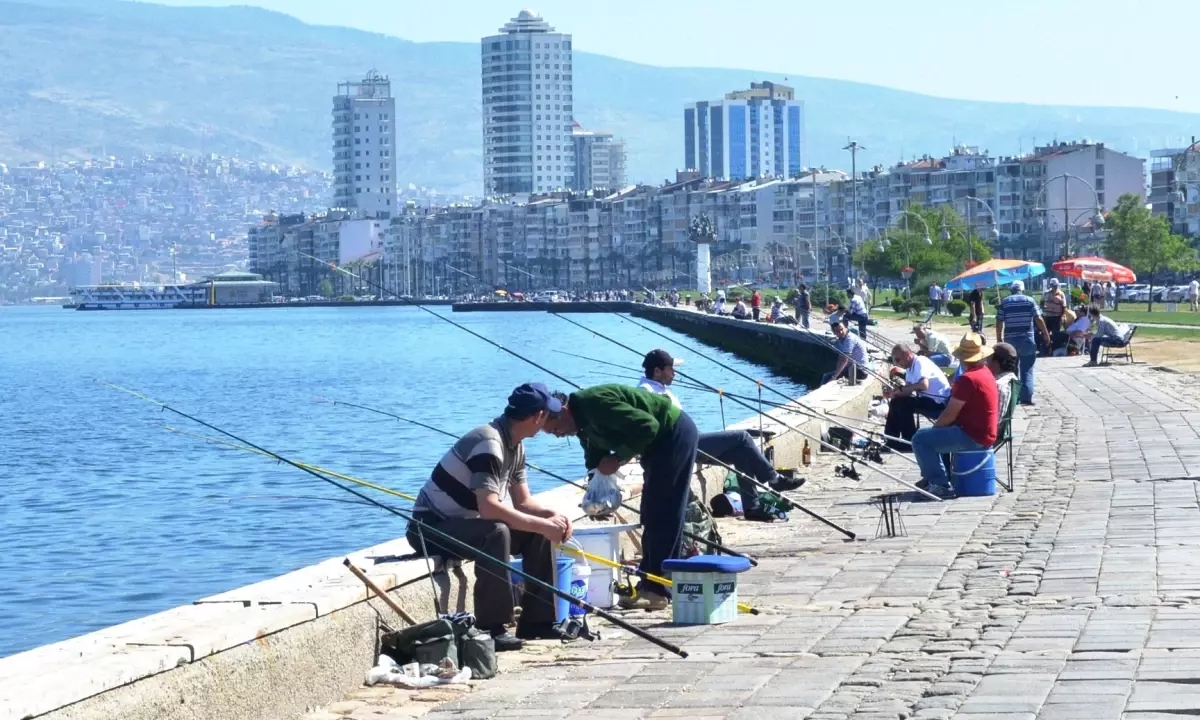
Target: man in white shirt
x: 720, y: 308
x: 1194, y: 294
x: 858, y: 313
x: 734, y: 448
x: 925, y: 392
x: 935, y: 298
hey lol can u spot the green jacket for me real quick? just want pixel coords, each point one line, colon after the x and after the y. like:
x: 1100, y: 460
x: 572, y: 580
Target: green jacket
x: 620, y: 420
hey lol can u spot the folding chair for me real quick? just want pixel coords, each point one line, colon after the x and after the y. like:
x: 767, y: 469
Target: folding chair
x: 1004, y: 435
x: 1124, y: 350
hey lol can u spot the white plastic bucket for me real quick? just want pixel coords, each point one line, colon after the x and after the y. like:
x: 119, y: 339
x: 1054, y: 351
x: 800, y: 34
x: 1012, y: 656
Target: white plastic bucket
x: 603, y: 541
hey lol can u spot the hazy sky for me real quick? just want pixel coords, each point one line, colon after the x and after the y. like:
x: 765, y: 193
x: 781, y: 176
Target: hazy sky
x: 1084, y: 52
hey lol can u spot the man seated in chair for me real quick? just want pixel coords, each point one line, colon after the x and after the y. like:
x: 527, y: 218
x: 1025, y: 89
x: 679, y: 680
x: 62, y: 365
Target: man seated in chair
x: 969, y: 422
x: 925, y: 392
x: 1105, y: 332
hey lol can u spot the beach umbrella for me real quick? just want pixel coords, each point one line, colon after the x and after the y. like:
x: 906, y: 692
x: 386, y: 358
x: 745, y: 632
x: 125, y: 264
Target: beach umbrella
x: 1094, y: 268
x: 996, y: 272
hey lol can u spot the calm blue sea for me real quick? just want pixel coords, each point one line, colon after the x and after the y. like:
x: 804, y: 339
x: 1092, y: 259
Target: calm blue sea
x: 106, y: 516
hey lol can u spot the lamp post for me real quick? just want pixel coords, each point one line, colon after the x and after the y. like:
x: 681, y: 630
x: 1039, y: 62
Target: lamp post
x: 854, y: 147
x: 907, y: 248
x: 1098, y: 215
x: 994, y: 233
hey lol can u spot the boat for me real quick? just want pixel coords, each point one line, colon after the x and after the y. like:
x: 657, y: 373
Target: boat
x: 136, y: 296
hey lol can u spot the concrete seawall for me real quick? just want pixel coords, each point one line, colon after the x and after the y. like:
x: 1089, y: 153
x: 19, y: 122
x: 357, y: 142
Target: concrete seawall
x: 277, y: 648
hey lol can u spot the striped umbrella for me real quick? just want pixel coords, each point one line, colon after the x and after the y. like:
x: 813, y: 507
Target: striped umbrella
x: 996, y: 272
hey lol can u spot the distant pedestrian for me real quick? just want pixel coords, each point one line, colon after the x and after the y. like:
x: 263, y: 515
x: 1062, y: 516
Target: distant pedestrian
x: 935, y: 298
x: 1017, y: 318
x: 858, y: 314
x: 975, y: 305
x: 1194, y: 294
x: 803, y: 305
x: 755, y: 304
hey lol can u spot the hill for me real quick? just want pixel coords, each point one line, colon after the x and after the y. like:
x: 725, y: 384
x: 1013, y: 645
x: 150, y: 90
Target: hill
x: 83, y: 77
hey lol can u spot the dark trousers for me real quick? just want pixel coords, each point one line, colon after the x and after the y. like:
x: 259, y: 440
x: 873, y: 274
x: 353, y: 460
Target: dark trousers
x: 754, y: 311
x: 737, y: 449
x: 1053, y: 326
x: 667, y: 467
x: 1099, y: 342
x: 493, y: 584
x: 862, y: 321
x: 852, y: 373
x: 802, y: 315
x: 902, y: 417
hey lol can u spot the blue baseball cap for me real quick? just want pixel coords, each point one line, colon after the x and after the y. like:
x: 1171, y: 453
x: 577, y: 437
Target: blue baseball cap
x: 532, y: 397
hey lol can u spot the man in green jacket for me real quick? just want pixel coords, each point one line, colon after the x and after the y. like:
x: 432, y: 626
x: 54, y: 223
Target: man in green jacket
x: 615, y: 423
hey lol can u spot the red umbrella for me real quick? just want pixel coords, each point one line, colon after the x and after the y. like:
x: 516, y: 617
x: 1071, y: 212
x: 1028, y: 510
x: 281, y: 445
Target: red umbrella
x: 1094, y: 268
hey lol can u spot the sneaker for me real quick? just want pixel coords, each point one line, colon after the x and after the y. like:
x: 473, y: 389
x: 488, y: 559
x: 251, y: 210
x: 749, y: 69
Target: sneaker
x: 645, y: 600
x: 538, y: 631
x: 759, y: 515
x: 504, y: 640
x: 945, y: 492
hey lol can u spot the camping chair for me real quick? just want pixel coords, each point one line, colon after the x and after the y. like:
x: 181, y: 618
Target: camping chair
x: 1123, y: 350
x: 1004, y: 435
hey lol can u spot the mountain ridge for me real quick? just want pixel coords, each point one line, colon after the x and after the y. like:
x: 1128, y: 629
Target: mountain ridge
x: 78, y: 78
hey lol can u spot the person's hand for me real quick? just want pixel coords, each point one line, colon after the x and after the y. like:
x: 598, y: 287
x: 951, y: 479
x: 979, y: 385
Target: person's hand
x: 609, y: 465
x: 557, y: 529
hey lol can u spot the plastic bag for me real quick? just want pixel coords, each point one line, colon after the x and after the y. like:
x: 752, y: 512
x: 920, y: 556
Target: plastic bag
x: 603, y: 495
x: 388, y: 672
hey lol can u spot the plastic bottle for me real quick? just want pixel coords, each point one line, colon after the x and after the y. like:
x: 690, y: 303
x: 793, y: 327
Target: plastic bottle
x: 806, y: 456
x: 579, y: 586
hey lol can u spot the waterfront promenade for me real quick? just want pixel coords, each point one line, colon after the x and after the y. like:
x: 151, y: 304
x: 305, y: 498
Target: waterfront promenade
x: 1077, y: 597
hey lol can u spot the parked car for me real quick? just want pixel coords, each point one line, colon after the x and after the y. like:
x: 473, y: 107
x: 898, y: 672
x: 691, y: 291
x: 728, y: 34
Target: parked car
x: 1176, y: 293
x: 1129, y: 291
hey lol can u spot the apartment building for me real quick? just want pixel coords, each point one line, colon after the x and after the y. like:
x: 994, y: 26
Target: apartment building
x: 751, y: 133
x: 1175, y: 187
x: 364, y: 142
x: 599, y: 160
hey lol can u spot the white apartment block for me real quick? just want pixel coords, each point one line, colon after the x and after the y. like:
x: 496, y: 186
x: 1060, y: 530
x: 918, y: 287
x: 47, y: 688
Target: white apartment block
x: 527, y: 108
x: 1175, y: 187
x: 364, y: 142
x: 751, y: 133
x: 599, y: 160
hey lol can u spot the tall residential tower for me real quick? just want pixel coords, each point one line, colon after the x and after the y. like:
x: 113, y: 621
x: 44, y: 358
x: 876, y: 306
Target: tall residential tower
x: 527, y: 108
x: 364, y: 142
x: 751, y: 133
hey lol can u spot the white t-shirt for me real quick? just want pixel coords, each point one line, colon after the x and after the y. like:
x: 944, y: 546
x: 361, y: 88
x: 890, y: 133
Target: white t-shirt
x: 1194, y: 289
x: 658, y: 388
x: 923, y: 367
x: 935, y: 293
x: 1080, y: 325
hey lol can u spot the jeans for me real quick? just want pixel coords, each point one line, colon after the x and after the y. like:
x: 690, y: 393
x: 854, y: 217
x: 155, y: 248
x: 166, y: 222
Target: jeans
x: 901, y: 418
x: 942, y: 360
x: 1027, y: 355
x: 493, y: 587
x: 929, y: 444
x: 862, y: 321
x: 737, y: 449
x: 803, y: 315
x: 667, y: 467
x: 937, y: 306
x: 852, y: 373
x: 1099, y: 342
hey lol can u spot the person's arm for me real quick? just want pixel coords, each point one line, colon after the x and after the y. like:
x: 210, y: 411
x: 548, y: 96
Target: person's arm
x: 1041, y: 325
x: 950, y: 414
x: 629, y: 430
x: 840, y: 368
x: 523, y: 502
x: 490, y: 508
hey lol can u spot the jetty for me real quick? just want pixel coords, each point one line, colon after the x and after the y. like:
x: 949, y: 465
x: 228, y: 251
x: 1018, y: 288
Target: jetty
x: 1074, y: 597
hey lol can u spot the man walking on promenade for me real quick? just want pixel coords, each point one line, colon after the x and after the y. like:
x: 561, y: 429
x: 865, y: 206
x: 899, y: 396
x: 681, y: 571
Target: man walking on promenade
x: 1054, y: 303
x: 756, y: 304
x: 969, y: 421
x: 1016, y: 320
x: 935, y: 298
x: 803, y: 305
x: 614, y: 424
x: 464, y: 498
x: 1194, y: 294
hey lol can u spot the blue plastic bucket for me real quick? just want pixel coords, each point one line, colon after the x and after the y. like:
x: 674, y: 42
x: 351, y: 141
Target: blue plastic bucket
x: 564, y: 568
x: 975, y: 473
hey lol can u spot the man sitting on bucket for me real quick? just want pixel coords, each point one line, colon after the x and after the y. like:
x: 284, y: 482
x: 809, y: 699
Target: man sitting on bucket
x: 464, y: 498
x: 967, y: 424
x: 614, y: 424
x: 735, y: 448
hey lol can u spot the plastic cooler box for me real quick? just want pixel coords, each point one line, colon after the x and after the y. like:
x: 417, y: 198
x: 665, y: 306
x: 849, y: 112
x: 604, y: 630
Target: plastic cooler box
x: 564, y: 572
x: 704, y: 588
x: 603, y: 541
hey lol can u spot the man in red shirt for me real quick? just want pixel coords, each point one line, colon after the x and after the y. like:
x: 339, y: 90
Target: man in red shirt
x: 755, y: 304
x: 968, y: 422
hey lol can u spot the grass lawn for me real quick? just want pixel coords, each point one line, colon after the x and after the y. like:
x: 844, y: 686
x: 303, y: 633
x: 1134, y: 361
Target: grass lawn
x: 1161, y: 316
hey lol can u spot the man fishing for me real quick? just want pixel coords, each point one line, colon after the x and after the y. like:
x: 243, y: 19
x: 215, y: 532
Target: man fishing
x: 614, y: 424
x: 732, y: 447
x: 464, y: 498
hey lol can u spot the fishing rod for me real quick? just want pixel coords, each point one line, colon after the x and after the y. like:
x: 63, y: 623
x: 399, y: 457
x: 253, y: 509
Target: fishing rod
x: 690, y: 536
x: 473, y: 552
x: 439, y: 316
x: 579, y: 552
x: 795, y: 429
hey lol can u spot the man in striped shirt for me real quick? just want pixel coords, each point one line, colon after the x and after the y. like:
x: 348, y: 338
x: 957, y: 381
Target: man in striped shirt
x: 1016, y: 319
x: 853, y: 356
x: 464, y: 498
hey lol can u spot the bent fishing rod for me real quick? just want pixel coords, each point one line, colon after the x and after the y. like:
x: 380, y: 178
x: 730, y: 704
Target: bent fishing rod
x: 690, y: 536
x: 578, y: 552
x: 793, y: 428
x: 708, y: 459
x: 468, y: 550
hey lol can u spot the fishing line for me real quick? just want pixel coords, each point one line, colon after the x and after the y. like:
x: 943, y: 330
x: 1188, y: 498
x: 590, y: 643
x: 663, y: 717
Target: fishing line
x: 474, y: 553
x: 715, y: 546
x: 818, y: 440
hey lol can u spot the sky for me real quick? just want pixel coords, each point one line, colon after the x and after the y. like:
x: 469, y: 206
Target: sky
x: 1077, y: 52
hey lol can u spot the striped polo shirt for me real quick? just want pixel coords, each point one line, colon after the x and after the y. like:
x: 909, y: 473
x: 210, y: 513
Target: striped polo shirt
x: 486, y: 458
x: 1018, y: 313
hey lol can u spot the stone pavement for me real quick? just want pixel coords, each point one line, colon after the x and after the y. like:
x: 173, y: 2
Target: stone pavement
x: 1077, y: 597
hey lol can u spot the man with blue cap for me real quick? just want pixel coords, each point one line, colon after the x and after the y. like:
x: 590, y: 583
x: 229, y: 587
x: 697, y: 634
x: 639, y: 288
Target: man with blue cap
x: 465, y: 499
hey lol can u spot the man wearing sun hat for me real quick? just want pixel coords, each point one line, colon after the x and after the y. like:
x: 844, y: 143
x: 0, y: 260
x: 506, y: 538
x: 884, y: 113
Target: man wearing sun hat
x: 969, y: 421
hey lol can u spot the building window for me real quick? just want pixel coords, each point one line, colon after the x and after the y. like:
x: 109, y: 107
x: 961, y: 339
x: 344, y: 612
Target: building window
x: 1100, y: 198
x: 1099, y: 183
x: 1099, y: 169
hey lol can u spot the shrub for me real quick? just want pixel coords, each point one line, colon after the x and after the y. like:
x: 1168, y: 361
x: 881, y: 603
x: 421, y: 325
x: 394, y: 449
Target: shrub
x: 993, y: 301
x: 914, y: 306
x: 347, y: 298
x: 791, y: 296
x: 897, y: 304
x: 836, y: 294
x: 956, y: 307
x: 1076, y: 296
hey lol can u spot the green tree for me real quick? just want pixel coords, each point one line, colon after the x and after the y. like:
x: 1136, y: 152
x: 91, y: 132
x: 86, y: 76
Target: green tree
x: 1144, y: 242
x: 325, y: 289
x: 937, y: 260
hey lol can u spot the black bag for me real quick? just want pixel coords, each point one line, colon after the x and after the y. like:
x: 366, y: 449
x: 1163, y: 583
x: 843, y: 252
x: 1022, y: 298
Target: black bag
x: 477, y: 650
x: 427, y: 643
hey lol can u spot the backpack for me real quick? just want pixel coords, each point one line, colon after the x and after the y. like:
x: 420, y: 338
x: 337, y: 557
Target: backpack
x: 698, y: 521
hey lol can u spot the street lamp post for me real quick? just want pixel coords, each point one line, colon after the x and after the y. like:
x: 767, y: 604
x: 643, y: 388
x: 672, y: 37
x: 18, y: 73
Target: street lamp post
x: 907, y: 248
x: 1098, y: 216
x: 854, y: 147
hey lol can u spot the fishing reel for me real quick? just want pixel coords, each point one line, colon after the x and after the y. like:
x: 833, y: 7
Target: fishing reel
x: 847, y: 471
x: 575, y: 628
x: 872, y: 451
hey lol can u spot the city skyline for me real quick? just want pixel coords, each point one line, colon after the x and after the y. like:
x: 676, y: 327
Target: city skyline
x: 938, y: 48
